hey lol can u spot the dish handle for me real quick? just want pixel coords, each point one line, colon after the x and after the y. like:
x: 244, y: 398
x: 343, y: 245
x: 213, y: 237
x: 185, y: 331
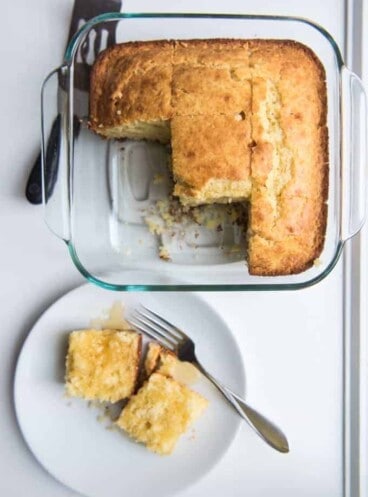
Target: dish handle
x: 354, y: 154
x: 55, y: 151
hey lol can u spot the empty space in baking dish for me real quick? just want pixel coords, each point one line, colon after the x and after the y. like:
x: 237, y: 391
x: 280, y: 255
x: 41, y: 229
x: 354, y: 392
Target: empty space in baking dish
x: 145, y: 221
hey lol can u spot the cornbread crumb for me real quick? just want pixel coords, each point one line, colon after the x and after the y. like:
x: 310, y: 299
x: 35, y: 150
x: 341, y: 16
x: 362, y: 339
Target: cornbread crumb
x: 234, y: 249
x: 158, y: 179
x: 155, y: 228
x: 111, y: 427
x: 166, y: 216
x: 160, y: 413
x: 164, y: 253
x: 102, y: 364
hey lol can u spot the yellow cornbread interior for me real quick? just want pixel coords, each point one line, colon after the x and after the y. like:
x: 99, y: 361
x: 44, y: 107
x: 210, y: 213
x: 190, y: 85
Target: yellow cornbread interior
x: 160, y: 360
x: 102, y: 364
x: 152, y: 130
x: 152, y: 358
x: 160, y: 413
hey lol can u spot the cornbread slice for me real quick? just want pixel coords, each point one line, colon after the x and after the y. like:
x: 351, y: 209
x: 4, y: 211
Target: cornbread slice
x: 211, y: 77
x: 160, y: 413
x: 102, y: 364
x: 211, y: 158
x: 130, y: 91
x: 152, y: 358
x: 289, y: 169
x: 209, y: 91
x: 291, y: 121
x: 159, y: 359
x: 164, y: 361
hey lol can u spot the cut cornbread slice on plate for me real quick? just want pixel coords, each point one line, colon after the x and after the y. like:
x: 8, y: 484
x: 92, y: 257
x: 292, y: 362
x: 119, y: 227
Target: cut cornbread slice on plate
x: 66, y: 438
x: 164, y: 361
x: 160, y: 359
x: 160, y: 413
x: 102, y: 364
x: 211, y: 158
x: 152, y: 358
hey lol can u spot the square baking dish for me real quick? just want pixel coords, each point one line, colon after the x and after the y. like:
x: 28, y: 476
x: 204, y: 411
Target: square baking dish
x: 103, y: 196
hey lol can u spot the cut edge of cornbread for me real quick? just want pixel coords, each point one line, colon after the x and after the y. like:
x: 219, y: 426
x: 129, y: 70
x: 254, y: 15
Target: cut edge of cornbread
x: 219, y: 191
x: 139, y: 130
x: 211, y: 158
x: 160, y: 412
x: 160, y: 360
x: 102, y: 365
x: 152, y: 358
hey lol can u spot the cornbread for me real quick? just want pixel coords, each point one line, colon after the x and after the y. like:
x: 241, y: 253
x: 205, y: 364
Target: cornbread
x: 247, y: 123
x: 160, y: 413
x: 102, y: 364
x: 211, y: 158
x: 152, y: 358
x: 132, y: 95
x: 161, y: 360
x: 164, y: 361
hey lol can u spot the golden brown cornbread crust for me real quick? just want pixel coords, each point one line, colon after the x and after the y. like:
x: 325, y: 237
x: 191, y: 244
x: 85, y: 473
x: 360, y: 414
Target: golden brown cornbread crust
x: 247, y: 120
x: 131, y: 82
x: 210, y: 151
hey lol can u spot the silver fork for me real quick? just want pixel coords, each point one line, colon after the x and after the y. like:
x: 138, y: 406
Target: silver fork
x: 171, y: 337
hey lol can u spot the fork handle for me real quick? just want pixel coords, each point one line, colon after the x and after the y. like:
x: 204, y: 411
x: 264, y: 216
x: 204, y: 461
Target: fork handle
x: 269, y: 432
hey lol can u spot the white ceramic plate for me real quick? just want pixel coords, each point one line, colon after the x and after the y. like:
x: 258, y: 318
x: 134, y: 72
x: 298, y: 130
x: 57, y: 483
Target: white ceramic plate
x: 65, y: 435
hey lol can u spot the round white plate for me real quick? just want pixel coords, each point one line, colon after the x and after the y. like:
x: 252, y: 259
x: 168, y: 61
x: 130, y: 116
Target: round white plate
x: 76, y: 448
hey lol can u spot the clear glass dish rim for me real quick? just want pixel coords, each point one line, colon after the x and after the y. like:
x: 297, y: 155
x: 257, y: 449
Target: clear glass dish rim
x: 206, y: 287
x: 68, y: 60
x: 115, y: 16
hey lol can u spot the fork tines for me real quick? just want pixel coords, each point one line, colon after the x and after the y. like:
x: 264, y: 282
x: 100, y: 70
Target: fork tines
x: 156, y: 327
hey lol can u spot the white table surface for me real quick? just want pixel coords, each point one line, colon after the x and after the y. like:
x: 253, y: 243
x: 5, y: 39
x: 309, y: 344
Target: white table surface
x: 287, y: 378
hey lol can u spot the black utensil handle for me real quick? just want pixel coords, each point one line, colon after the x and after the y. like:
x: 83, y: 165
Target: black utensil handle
x: 82, y: 10
x: 33, y: 187
x: 34, y: 183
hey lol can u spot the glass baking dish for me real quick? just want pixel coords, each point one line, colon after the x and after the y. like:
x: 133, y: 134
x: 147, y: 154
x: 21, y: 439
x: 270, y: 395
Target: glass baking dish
x: 99, y: 194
